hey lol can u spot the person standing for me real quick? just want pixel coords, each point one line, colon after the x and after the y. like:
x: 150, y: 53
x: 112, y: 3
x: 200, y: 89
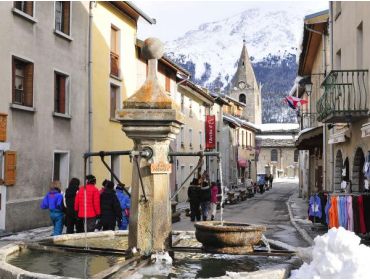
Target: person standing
x: 271, y: 178
x: 71, y: 219
x: 214, y: 200
x: 125, y: 203
x: 110, y: 208
x: 92, y: 197
x: 205, y: 198
x: 53, y: 201
x: 194, y: 200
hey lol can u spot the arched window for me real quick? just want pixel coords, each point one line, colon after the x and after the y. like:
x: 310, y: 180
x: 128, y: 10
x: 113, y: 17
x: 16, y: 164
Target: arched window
x: 242, y: 98
x: 274, y: 155
x: 296, y: 155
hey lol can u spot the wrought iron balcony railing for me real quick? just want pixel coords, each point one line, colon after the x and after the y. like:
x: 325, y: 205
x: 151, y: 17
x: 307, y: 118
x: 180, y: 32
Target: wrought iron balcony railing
x: 345, y: 96
x: 308, y: 120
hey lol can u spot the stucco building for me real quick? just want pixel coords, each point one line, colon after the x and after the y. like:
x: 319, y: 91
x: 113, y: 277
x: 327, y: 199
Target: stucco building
x: 277, y: 153
x: 44, y: 94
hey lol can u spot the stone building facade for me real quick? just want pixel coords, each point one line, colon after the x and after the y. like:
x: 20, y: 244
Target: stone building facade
x: 43, y: 92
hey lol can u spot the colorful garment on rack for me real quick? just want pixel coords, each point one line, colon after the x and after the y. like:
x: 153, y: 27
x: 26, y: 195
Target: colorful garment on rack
x: 327, y: 207
x: 356, y: 215
x: 342, y: 213
x: 361, y: 215
x: 333, y: 213
x: 338, y: 206
x: 349, y: 213
x: 315, y: 206
x: 366, y: 201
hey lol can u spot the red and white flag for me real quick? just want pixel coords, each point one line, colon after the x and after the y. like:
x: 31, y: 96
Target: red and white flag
x: 294, y: 102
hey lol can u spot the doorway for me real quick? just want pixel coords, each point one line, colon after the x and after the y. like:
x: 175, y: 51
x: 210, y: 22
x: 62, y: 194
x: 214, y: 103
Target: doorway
x: 61, y: 168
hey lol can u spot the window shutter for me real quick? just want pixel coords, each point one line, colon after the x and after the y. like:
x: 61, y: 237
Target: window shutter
x: 13, y: 79
x: 3, y: 127
x: 66, y: 16
x: 62, y: 95
x: 29, y: 7
x: 28, y: 85
x: 10, y: 167
x: 168, y: 82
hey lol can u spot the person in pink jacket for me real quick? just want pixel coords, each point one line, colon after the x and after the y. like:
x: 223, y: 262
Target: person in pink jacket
x: 214, y: 200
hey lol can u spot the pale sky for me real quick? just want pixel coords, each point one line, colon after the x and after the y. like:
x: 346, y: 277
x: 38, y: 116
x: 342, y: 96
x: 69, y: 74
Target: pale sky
x: 174, y: 18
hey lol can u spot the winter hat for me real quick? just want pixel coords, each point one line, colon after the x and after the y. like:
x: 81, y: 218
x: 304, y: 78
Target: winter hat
x: 108, y: 184
x: 90, y: 179
x: 120, y: 187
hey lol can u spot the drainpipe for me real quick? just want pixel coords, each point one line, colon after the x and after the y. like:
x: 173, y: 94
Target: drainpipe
x: 89, y: 87
x: 331, y: 66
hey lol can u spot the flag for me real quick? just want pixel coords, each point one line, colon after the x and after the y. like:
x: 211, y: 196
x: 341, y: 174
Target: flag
x: 294, y: 102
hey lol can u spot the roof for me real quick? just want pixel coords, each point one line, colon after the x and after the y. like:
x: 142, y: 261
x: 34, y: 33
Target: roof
x: 278, y: 127
x: 240, y: 122
x: 167, y: 61
x: 201, y: 91
x: 132, y: 10
x: 235, y: 101
x: 219, y: 99
x: 314, y: 24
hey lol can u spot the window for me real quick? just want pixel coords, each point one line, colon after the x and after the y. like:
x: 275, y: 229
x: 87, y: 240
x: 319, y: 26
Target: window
x: 61, y: 93
x: 22, y: 82
x: 182, y: 136
x: 191, y: 169
x: 114, y: 51
x: 338, y: 60
x: 24, y: 6
x: 190, y: 137
x: 190, y: 108
x: 168, y: 81
x: 200, y: 139
x: 242, y: 138
x: 1, y: 167
x: 63, y: 16
x: 359, y: 46
x: 296, y: 155
x: 61, y: 168
x: 242, y: 98
x: 250, y: 139
x: 182, y: 103
x: 274, y: 155
x: 114, y: 100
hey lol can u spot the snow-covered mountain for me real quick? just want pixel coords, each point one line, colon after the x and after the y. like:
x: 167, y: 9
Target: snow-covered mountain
x: 211, y: 52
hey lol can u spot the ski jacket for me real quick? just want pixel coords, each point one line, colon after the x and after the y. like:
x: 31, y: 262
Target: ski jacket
x: 214, y: 193
x: 92, y: 202
x: 69, y: 198
x: 110, y: 207
x: 124, y: 201
x: 194, y: 194
x: 53, y: 200
x: 205, y: 193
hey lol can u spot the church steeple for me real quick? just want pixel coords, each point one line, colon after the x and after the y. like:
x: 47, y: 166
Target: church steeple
x: 244, y: 87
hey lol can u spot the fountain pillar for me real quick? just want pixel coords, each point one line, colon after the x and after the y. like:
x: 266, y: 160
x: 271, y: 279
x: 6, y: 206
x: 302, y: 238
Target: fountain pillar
x: 151, y: 119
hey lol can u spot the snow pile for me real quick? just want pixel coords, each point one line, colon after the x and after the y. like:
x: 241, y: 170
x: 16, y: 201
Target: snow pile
x: 337, y: 254
x: 161, y: 258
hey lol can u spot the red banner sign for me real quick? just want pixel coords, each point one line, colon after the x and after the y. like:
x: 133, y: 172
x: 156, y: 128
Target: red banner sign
x: 210, y: 132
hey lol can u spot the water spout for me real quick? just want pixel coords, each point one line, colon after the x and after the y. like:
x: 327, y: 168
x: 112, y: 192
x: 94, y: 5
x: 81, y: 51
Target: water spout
x: 222, y: 193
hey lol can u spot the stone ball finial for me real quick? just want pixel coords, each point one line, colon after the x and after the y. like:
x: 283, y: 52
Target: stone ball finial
x: 153, y: 48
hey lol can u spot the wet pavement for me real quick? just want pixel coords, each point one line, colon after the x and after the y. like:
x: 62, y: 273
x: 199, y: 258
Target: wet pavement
x: 269, y: 209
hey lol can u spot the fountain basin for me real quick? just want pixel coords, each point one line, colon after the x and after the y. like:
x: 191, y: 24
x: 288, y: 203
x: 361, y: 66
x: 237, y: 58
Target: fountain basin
x: 228, y: 238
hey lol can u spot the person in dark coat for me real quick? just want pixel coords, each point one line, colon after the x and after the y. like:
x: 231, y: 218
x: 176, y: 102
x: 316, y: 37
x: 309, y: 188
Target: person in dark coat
x: 271, y: 179
x: 71, y: 218
x: 109, y: 206
x: 194, y: 199
x: 205, y: 198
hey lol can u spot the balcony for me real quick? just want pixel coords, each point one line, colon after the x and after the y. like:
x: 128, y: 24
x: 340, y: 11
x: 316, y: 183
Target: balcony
x: 308, y: 120
x: 114, y: 64
x: 345, y: 97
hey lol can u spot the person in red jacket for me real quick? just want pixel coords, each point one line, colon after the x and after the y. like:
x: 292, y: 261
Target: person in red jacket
x: 92, y: 211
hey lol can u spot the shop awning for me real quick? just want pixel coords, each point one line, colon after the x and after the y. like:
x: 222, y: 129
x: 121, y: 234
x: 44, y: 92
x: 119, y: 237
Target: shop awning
x: 242, y: 163
x: 309, y: 138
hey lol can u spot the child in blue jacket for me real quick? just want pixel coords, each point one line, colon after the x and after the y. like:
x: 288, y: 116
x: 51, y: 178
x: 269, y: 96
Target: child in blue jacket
x: 125, y: 202
x: 53, y: 201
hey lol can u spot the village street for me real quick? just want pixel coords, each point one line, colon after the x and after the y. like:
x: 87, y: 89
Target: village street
x: 269, y: 209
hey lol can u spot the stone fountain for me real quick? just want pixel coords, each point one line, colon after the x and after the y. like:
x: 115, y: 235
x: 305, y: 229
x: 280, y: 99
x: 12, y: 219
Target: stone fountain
x: 151, y: 119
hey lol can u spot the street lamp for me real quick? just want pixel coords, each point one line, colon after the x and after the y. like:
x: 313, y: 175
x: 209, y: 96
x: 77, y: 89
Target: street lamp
x: 308, y: 87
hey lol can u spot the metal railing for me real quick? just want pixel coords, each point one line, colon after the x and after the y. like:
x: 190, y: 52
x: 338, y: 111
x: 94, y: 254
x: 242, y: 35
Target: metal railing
x: 308, y: 120
x: 345, y: 96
